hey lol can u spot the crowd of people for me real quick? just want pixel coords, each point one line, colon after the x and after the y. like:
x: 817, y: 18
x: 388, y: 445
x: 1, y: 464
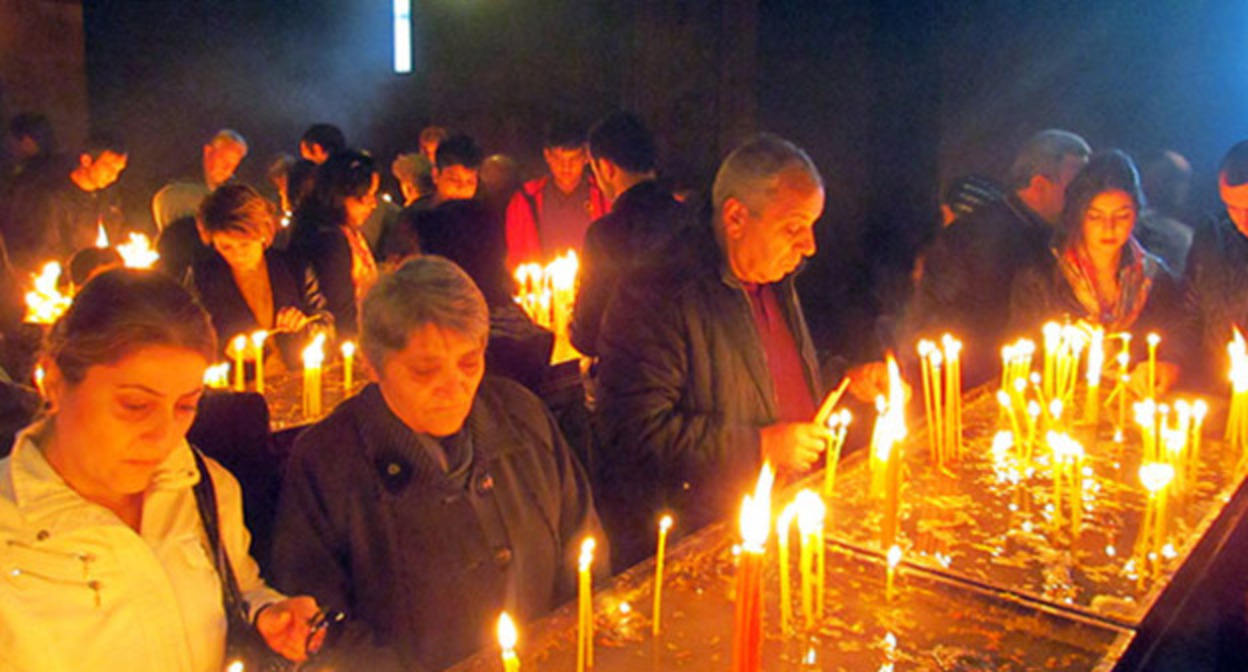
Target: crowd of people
x: 445, y: 490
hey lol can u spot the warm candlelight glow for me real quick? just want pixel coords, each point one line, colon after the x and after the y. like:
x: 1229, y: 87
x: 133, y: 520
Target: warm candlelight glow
x: 44, y: 302
x: 313, y: 360
x: 101, y: 236
x: 217, y: 376
x: 238, y: 349
x: 137, y: 252
x: 348, y: 366
x: 811, y: 512
x: 756, y: 512
x: 506, y: 632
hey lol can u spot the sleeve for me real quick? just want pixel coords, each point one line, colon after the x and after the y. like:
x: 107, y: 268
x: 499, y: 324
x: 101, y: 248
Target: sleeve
x: 644, y: 374
x: 521, y: 231
x: 1031, y: 303
x: 309, y: 558
x: 578, y: 517
x: 332, y: 265
x: 313, y: 303
x: 237, y: 541
x: 598, y: 277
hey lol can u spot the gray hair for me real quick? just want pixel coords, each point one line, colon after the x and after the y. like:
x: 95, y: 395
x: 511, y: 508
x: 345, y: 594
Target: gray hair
x: 231, y: 136
x: 425, y: 290
x: 751, y: 173
x: 1043, y: 154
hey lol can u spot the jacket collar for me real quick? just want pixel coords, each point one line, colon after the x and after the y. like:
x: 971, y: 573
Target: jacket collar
x: 40, y: 493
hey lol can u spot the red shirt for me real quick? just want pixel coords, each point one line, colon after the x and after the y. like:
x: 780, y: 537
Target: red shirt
x: 784, y: 361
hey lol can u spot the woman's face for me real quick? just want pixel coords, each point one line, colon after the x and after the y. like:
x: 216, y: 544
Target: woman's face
x: 1108, y: 222
x: 113, y: 429
x: 359, y: 208
x: 430, y: 383
x: 240, y: 250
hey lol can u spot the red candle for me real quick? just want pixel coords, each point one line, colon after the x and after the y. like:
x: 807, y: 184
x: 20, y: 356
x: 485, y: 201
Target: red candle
x: 747, y: 637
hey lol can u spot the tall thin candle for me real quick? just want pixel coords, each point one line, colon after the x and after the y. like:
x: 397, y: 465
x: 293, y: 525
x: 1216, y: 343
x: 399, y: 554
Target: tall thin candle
x: 664, y: 525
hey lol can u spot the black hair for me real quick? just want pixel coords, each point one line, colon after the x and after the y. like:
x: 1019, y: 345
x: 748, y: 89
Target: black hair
x: 1111, y: 170
x: 327, y: 136
x: 1234, y: 168
x: 459, y: 150
x: 347, y: 174
x: 300, y: 181
x: 563, y: 133
x: 624, y: 140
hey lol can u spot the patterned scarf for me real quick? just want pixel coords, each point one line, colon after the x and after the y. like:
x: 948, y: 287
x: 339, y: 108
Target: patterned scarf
x: 1136, y: 271
x: 363, y: 266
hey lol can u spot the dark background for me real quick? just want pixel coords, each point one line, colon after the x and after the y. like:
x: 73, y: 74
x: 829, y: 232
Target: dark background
x: 892, y: 98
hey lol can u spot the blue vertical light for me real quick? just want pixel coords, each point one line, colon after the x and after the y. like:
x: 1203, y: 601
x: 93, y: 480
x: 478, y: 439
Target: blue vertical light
x: 402, y: 36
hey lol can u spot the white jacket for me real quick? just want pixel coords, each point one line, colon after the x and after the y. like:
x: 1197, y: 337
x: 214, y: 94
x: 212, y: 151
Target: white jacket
x: 81, y: 590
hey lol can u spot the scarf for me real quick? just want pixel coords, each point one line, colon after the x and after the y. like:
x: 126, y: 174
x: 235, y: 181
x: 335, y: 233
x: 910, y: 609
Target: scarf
x: 1136, y: 271
x: 363, y: 266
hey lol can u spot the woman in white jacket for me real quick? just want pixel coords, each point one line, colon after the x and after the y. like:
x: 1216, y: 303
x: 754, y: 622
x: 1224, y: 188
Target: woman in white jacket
x: 104, y: 559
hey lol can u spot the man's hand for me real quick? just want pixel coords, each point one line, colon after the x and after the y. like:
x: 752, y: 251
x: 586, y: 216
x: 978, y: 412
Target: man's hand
x: 286, y: 625
x: 794, y: 446
x: 870, y: 380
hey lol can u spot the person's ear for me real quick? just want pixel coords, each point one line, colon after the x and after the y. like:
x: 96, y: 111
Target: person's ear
x: 53, y: 384
x: 735, y: 215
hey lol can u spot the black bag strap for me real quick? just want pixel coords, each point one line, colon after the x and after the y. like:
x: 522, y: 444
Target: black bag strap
x: 206, y: 499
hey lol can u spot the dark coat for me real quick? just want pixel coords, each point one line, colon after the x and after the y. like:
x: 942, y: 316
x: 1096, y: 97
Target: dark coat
x: 684, y: 390
x: 180, y: 248
x: 968, y: 274
x: 324, y: 249
x: 422, y: 560
x: 1215, y: 298
x: 212, y: 281
x: 1041, y: 294
x: 642, y: 220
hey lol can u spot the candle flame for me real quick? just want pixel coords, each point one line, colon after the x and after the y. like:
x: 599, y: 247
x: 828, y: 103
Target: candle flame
x: 894, y: 556
x: 348, y: 349
x: 506, y: 632
x: 217, y: 376
x: 811, y: 512
x: 1239, y: 361
x: 1199, y: 409
x: 1096, y: 356
x: 756, y: 512
x: 587, y: 553
x: 258, y: 338
x: 101, y: 237
x: 314, y: 354
x: 665, y: 523
x: 137, y: 252
x: 1153, y: 340
x: 1156, y: 476
x: 44, y: 302
x: 238, y: 345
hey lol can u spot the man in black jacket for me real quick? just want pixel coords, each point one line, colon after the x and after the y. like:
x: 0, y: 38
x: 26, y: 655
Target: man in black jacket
x: 707, y: 368
x: 643, y: 218
x: 965, y: 289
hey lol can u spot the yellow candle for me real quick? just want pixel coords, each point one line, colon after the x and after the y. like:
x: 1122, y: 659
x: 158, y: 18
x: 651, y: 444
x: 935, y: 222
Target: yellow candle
x: 894, y: 559
x: 348, y: 364
x: 664, y: 525
x: 1153, y: 340
x: 313, y: 360
x: 585, y: 632
x: 507, y: 642
x: 257, y: 344
x: 810, y: 514
x: 239, y: 348
x: 783, y: 523
x: 39, y: 375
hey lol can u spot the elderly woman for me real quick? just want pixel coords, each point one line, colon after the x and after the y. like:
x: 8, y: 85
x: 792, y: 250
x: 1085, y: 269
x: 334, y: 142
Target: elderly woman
x: 247, y: 285
x: 103, y: 549
x: 327, y: 234
x: 434, y: 498
x: 1099, y: 273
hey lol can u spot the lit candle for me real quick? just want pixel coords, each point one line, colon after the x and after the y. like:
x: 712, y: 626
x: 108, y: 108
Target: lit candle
x: 925, y: 366
x: 783, y: 525
x: 217, y: 376
x: 585, y: 597
x: 1096, y: 361
x: 39, y: 375
x: 953, y: 396
x: 239, y: 348
x: 507, y: 642
x: 1003, y: 398
x: 894, y: 559
x: 748, y: 622
x: 1199, y: 409
x: 1153, y: 340
x: 810, y: 514
x: 348, y: 365
x: 236, y: 666
x: 665, y: 524
x: 313, y: 360
x: 101, y: 236
x: 1156, y: 477
x: 257, y: 344
x: 839, y: 424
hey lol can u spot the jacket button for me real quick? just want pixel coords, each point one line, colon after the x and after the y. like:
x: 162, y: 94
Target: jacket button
x: 393, y: 469
x: 485, y: 484
x: 42, y: 535
x: 502, y: 557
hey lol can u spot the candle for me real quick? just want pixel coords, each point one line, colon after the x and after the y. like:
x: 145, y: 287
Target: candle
x: 748, y: 622
x: 239, y: 348
x: 810, y: 514
x: 236, y: 666
x: 1052, y: 342
x: 507, y: 642
x: 1156, y: 477
x: 894, y: 559
x: 313, y: 360
x: 1153, y: 340
x: 257, y: 344
x: 1003, y: 398
x: 585, y: 632
x: 44, y: 302
x: 953, y: 396
x: 1199, y: 409
x: 348, y: 364
x: 101, y: 236
x: 1096, y: 361
x: 783, y: 524
x: 217, y: 376
x: 665, y: 524
x: 39, y: 375
x: 925, y: 366
x: 839, y: 424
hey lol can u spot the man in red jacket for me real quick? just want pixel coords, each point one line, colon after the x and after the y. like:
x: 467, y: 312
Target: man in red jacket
x: 550, y: 215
